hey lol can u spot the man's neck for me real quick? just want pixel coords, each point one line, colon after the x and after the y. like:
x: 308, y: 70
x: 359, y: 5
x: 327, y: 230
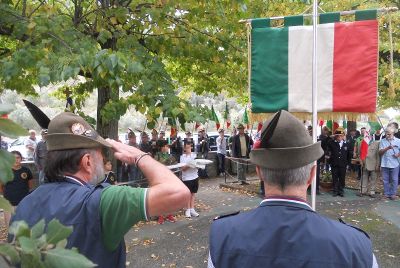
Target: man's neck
x: 297, y: 192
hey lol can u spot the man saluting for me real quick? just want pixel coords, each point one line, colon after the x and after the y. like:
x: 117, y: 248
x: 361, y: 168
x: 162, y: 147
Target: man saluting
x: 100, y: 214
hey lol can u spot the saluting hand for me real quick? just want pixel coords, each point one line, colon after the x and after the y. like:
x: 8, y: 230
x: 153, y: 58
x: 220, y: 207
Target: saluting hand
x: 124, y: 152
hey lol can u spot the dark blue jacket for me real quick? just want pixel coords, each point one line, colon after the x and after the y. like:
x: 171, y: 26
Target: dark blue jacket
x: 339, y: 157
x: 73, y: 205
x: 287, y: 234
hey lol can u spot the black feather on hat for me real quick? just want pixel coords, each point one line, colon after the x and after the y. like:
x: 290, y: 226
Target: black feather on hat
x: 39, y: 116
x: 67, y: 131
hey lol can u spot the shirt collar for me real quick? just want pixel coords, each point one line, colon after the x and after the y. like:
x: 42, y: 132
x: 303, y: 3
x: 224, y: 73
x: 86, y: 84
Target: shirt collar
x: 285, y: 199
x: 75, y: 180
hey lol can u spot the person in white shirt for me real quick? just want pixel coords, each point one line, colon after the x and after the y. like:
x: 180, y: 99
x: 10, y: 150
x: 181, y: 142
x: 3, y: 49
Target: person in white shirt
x: 189, y: 178
x: 221, y: 151
x: 30, y: 144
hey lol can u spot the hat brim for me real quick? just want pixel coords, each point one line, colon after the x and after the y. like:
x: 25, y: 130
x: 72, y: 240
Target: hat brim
x: 286, y: 158
x: 63, y: 141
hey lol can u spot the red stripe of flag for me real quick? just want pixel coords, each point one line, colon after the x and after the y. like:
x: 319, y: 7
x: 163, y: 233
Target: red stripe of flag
x: 355, y: 66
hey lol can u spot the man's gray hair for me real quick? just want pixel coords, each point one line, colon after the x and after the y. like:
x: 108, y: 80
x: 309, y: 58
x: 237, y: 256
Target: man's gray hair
x: 284, y: 178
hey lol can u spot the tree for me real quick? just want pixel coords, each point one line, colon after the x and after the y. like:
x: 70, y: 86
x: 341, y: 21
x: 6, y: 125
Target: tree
x: 153, y: 51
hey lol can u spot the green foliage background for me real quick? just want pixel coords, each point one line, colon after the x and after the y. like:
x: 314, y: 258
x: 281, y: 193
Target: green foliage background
x: 156, y: 51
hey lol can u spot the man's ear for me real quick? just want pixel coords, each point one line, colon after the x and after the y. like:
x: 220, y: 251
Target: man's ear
x: 312, y: 175
x: 85, y: 162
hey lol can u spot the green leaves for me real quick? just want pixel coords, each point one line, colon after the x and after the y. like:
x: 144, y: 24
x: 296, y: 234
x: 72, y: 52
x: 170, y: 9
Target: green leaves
x: 10, y: 129
x: 57, y: 232
x: 38, y: 229
x: 63, y: 258
x: 6, y: 161
x: 5, y: 205
x: 10, y: 253
x: 35, y: 248
x: 19, y: 229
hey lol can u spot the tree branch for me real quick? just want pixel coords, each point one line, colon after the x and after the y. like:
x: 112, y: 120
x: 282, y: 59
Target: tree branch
x: 34, y: 10
x: 188, y: 26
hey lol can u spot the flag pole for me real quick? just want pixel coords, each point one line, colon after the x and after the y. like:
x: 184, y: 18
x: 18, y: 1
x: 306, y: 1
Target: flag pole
x: 314, y: 95
x: 342, y: 13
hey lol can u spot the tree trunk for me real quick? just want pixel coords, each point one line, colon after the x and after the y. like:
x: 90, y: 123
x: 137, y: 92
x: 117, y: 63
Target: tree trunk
x: 106, y: 129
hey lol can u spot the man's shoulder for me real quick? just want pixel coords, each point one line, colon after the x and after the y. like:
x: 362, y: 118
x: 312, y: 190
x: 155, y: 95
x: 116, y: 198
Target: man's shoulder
x: 331, y: 228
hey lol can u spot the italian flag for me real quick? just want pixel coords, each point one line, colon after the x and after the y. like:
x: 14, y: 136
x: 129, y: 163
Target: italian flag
x: 347, y: 63
x: 364, y: 146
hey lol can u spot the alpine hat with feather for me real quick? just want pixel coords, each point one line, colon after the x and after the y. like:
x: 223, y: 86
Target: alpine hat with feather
x: 67, y: 131
x: 285, y: 144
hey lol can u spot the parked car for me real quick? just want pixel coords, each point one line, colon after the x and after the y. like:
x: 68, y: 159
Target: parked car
x: 18, y: 145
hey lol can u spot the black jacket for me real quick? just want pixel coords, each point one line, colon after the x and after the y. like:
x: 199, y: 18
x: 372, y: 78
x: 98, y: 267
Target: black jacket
x: 339, y: 157
x: 236, y: 149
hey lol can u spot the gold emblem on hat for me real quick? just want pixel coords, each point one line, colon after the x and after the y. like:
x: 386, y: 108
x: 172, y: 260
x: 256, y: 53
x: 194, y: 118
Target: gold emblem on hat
x: 78, y: 129
x: 24, y: 175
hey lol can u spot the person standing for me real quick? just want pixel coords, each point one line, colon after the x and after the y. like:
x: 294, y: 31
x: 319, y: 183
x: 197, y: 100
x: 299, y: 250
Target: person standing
x: 203, y: 149
x: 165, y: 158
x: 100, y: 214
x: 30, y: 144
x: 284, y: 231
x: 14, y: 191
x: 153, y: 142
x: 241, y: 149
x: 389, y: 151
x: 356, y: 150
x: 339, y: 156
x: 370, y: 167
x: 176, y: 146
x: 144, y: 145
x: 40, y: 156
x: 221, y: 151
x: 189, y: 139
x: 133, y: 171
x: 189, y: 178
x: 109, y: 175
x: 351, y: 141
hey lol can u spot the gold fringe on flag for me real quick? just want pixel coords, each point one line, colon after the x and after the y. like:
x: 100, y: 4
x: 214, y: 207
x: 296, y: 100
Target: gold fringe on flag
x: 261, y: 117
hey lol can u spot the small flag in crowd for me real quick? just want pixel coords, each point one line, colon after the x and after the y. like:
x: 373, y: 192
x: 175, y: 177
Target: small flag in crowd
x: 246, y: 118
x: 374, y: 126
x: 364, y: 146
x: 173, y: 131
x: 259, y: 127
x: 214, y: 117
x: 226, y: 116
x: 332, y: 125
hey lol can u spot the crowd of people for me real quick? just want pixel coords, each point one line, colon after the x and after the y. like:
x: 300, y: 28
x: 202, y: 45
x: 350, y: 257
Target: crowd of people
x: 80, y: 191
x: 367, y: 154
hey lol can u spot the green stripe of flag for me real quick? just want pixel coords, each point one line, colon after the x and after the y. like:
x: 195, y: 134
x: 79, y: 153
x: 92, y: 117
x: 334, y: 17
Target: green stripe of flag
x: 329, y: 17
x: 269, y: 69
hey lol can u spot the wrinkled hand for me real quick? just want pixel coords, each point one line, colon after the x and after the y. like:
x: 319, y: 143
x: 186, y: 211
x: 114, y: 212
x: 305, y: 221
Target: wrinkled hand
x: 124, y: 152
